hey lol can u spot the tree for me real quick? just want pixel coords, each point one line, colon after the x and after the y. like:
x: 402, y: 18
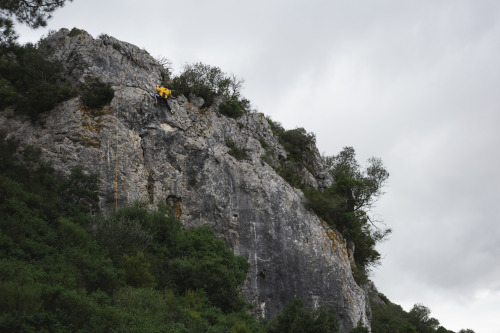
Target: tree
x: 419, y: 316
x: 365, y: 186
x: 34, y: 13
x: 346, y: 204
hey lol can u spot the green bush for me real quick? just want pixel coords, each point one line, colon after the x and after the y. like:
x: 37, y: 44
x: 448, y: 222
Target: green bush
x: 75, y: 32
x: 136, y: 270
x: 207, y: 82
x: 7, y: 93
x: 298, y: 143
x: 296, y: 318
x: 235, y: 151
x: 30, y: 82
x: 96, y: 94
x: 232, y: 107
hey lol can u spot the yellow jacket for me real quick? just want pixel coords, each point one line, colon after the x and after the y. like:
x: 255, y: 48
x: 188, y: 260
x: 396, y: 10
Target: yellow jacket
x: 164, y: 92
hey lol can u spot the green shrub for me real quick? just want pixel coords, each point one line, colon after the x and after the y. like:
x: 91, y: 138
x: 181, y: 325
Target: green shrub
x: 207, y: 82
x: 235, y: 151
x: 296, y: 318
x: 298, y: 143
x: 96, y: 94
x: 75, y: 32
x: 232, y: 108
x: 30, y: 82
x: 7, y: 93
x: 21, y: 299
x: 136, y: 270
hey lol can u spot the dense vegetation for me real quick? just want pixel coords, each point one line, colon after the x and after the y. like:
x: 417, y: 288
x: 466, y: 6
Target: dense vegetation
x: 389, y: 317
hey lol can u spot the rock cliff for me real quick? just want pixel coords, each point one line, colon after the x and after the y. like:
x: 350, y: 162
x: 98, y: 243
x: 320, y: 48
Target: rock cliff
x: 143, y: 152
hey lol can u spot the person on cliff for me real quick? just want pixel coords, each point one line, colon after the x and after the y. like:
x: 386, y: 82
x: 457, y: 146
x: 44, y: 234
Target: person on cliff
x: 162, y: 94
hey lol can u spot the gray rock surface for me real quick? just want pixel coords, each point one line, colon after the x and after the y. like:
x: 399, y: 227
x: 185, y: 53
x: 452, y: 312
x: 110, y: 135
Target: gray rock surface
x: 143, y: 152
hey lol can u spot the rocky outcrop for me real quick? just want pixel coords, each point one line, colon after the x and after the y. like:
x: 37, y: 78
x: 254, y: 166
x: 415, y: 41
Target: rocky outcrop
x: 143, y: 152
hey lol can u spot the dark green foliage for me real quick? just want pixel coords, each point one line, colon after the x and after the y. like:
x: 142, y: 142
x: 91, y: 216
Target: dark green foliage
x: 96, y: 94
x: 31, y: 83
x: 296, y: 318
x: 208, y: 82
x: 390, y: 317
x: 276, y: 127
x: 233, y: 107
x: 345, y: 204
x: 202, y: 261
x: 136, y: 269
x: 238, y: 153
x: 8, y: 36
x: 419, y: 316
x: 75, y: 32
x: 298, y: 143
x: 34, y: 13
x: 300, y: 147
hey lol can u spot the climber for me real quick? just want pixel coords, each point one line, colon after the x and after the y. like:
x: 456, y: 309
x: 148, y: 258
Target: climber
x: 162, y: 94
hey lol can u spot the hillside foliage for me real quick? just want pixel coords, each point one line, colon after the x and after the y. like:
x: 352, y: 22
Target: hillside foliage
x: 209, y: 83
x: 388, y: 317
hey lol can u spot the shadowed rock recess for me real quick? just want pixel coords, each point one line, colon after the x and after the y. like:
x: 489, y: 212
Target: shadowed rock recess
x: 143, y: 152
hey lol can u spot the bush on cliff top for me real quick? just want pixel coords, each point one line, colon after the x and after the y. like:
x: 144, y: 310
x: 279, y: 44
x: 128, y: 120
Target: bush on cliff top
x: 31, y: 83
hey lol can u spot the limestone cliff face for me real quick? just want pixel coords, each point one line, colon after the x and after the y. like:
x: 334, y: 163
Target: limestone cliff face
x: 143, y: 152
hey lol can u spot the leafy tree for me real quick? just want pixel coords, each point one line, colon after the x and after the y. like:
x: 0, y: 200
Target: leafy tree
x: 34, y: 13
x: 298, y: 143
x: 8, y: 36
x: 390, y: 318
x: 346, y: 204
x: 361, y: 188
x: 419, y: 316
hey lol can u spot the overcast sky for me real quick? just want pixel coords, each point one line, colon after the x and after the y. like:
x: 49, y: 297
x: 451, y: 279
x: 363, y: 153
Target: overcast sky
x: 416, y: 83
